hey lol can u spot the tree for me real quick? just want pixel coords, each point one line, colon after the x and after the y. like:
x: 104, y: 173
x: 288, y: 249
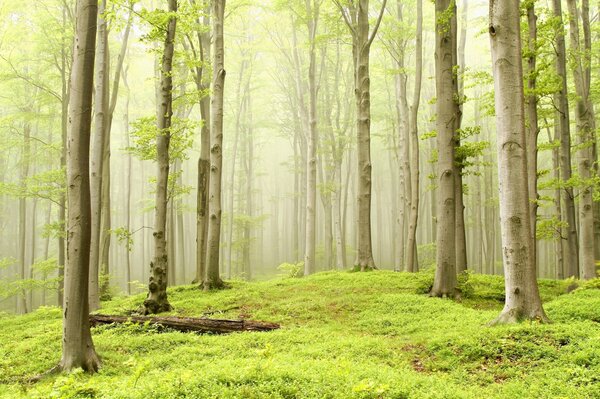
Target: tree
x: 446, y: 89
x: 78, y: 348
x: 412, y: 263
x: 356, y: 16
x: 570, y: 251
x: 96, y: 166
x: 532, y: 119
x: 212, y: 278
x: 157, y: 301
x: 522, y: 294
x: 312, y: 20
x: 586, y: 125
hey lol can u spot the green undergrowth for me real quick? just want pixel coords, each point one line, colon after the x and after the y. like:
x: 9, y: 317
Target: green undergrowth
x: 343, y: 335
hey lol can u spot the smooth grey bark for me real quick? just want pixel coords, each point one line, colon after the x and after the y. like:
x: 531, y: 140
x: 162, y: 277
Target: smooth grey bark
x: 128, y: 170
x: 560, y: 269
x: 532, y: 126
x: 202, y: 81
x: 78, y: 349
x: 446, y: 89
x: 64, y: 122
x: 522, y: 294
x: 97, y: 150
x: 212, y: 277
x: 156, y: 300
x: 459, y: 60
x: 584, y: 113
x: 570, y: 242
x: 23, y: 174
x: 356, y: 15
x: 312, y: 12
x: 412, y: 261
x: 403, y: 170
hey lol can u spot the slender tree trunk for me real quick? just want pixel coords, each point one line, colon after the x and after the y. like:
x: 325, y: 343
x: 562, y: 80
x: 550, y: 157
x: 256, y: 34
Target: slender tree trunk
x: 560, y: 269
x: 570, y: 251
x: 202, y: 80
x: 403, y: 172
x: 78, y: 348
x: 459, y: 60
x: 247, y: 265
x: 533, y: 129
x: 212, y: 278
x: 412, y: 262
x: 312, y: 10
x: 65, y: 89
x: 446, y: 89
x: 129, y: 179
x: 362, y: 43
x: 157, y: 301
x: 584, y: 114
x: 24, y: 173
x: 522, y: 295
x: 98, y: 142
x: 242, y: 106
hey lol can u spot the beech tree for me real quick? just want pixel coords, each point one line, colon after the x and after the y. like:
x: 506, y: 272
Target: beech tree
x: 570, y: 248
x: 78, y: 348
x: 212, y: 277
x: 356, y: 16
x: 157, y: 301
x: 446, y: 100
x: 586, y: 126
x: 312, y: 20
x: 522, y: 294
x: 96, y: 166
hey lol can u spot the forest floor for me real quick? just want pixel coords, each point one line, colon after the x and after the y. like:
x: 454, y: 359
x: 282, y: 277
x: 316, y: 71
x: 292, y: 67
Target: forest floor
x: 343, y: 335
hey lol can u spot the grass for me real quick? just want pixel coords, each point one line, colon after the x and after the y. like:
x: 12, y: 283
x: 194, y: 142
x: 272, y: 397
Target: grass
x: 344, y: 335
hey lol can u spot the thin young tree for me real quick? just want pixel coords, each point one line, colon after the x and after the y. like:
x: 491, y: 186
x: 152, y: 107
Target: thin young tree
x: 312, y: 20
x: 97, y: 150
x: 522, y: 293
x: 532, y: 125
x: 584, y: 114
x: 356, y: 16
x: 571, y: 243
x: 78, y: 348
x: 446, y: 89
x: 157, y: 301
x: 212, y: 279
x: 412, y: 263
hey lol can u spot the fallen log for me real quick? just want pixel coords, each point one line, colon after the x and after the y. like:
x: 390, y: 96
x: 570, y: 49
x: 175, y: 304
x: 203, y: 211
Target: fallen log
x: 187, y: 324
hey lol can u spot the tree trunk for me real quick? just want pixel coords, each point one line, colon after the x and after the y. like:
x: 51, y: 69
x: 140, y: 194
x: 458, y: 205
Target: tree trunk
x: 362, y: 42
x: 157, y: 301
x: 24, y: 172
x: 202, y: 80
x: 312, y: 10
x: 188, y: 324
x: 570, y: 251
x: 533, y: 129
x: 78, y: 348
x: 522, y: 295
x: 459, y: 60
x: 249, y: 168
x: 97, y: 150
x: 129, y: 179
x: 560, y: 269
x: 212, y: 277
x: 412, y: 261
x: 446, y: 89
x: 584, y: 114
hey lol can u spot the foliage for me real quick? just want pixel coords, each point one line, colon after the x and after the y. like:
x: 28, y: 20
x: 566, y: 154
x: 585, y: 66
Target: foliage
x: 292, y: 270
x: 407, y: 345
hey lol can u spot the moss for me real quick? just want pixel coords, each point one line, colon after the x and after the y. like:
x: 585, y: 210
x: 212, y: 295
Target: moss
x: 344, y: 335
